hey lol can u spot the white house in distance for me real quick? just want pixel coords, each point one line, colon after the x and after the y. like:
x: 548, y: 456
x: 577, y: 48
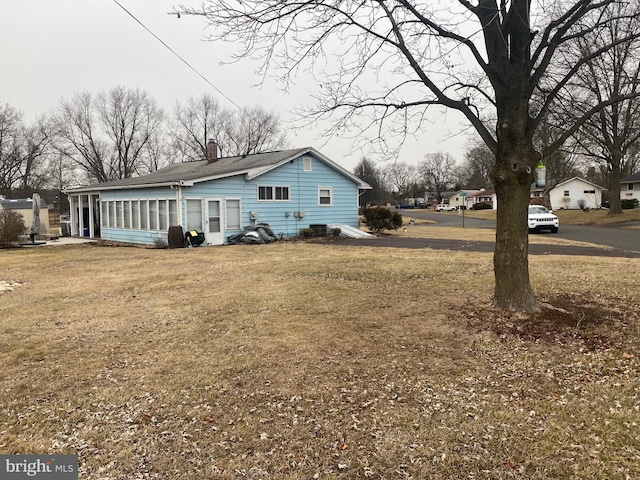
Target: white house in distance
x: 220, y: 197
x: 469, y: 198
x: 576, y: 193
x: 630, y: 187
x: 24, y: 206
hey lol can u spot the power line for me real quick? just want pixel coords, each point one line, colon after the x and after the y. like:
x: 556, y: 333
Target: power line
x: 179, y: 56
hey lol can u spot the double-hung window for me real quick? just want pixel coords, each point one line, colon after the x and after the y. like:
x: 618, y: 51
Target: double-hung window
x: 273, y: 193
x: 325, y: 196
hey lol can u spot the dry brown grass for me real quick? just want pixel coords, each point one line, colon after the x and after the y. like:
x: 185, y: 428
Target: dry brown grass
x: 297, y: 360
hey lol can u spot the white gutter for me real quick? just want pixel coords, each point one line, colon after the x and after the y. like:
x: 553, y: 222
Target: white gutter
x: 181, y: 183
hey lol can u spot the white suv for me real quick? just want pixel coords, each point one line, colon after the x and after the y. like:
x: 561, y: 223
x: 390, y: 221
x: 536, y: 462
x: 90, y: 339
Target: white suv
x: 542, y: 219
x: 444, y: 207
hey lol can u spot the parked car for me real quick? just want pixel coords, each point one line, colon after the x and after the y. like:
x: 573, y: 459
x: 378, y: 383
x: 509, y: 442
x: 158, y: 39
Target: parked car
x: 542, y: 219
x: 444, y: 207
x: 405, y: 206
x: 423, y: 205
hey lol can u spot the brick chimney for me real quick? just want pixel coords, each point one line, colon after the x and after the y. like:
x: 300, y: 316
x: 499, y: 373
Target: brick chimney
x: 212, y: 151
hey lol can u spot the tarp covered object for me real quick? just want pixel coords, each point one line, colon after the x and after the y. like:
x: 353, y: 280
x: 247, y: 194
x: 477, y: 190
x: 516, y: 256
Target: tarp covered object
x: 35, y: 224
x: 254, y: 234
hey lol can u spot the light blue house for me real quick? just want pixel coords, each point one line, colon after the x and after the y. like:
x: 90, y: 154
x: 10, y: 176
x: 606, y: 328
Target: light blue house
x: 289, y: 190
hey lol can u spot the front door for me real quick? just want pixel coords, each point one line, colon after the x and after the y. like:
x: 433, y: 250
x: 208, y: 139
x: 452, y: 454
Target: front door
x: 214, y: 222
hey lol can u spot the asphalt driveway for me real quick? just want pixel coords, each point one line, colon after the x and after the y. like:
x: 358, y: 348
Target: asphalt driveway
x: 622, y: 242
x: 476, y: 246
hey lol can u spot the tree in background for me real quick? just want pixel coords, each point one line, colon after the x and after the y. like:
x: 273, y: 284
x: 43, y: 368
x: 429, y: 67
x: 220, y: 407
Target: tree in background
x: 502, y: 65
x: 611, y: 137
x: 400, y: 178
x: 201, y: 119
x: 254, y: 130
x: 25, y: 151
x: 438, y: 172
x: 37, y: 153
x: 477, y: 165
x: 107, y: 135
x: 11, y: 129
x: 367, y: 170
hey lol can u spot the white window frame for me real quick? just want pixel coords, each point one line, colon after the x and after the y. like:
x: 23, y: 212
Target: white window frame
x: 330, y: 190
x: 307, y: 164
x: 227, y: 216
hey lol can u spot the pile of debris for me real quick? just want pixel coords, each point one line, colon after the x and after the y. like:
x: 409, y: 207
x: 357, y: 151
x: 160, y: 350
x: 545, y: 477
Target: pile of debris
x: 254, y: 234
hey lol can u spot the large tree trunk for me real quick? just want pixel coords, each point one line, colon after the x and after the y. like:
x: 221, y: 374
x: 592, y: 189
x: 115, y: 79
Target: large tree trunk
x: 512, y: 178
x: 615, y: 207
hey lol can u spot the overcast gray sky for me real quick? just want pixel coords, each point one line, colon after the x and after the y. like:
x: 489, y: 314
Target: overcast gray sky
x: 51, y: 49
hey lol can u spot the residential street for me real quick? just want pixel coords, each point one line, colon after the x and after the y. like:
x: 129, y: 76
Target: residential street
x: 612, y: 235
x: 625, y: 242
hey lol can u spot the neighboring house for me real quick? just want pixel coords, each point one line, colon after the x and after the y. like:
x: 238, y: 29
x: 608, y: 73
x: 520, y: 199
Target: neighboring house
x: 469, y: 198
x: 576, y: 193
x: 630, y: 187
x: 289, y: 190
x: 458, y: 198
x: 24, y: 206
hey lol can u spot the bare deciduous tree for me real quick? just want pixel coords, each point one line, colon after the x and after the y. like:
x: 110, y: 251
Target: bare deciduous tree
x: 38, y: 141
x: 255, y: 130
x: 106, y: 136
x: 11, y: 130
x: 400, y: 177
x: 386, y: 62
x: 438, y: 172
x: 611, y: 137
x: 24, y: 151
x: 252, y: 130
x: 201, y: 119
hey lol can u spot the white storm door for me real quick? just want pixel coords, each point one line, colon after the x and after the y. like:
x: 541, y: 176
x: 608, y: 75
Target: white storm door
x: 214, y: 222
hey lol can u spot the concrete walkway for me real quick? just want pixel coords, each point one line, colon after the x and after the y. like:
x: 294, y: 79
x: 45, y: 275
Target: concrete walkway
x: 60, y: 242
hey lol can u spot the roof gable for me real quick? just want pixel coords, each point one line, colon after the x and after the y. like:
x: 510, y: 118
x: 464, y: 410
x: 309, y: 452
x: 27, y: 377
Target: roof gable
x: 580, y: 180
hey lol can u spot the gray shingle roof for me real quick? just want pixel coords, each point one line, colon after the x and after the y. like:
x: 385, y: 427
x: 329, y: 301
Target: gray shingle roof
x: 631, y: 178
x: 20, y: 203
x: 251, y: 165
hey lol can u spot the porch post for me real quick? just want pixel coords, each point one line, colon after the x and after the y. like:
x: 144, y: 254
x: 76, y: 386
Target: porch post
x: 90, y: 205
x: 73, y: 216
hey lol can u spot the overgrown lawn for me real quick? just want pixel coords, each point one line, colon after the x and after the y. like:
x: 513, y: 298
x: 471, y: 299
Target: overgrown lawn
x: 310, y: 360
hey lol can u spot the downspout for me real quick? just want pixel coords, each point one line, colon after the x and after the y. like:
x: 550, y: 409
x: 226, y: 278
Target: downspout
x: 181, y: 221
